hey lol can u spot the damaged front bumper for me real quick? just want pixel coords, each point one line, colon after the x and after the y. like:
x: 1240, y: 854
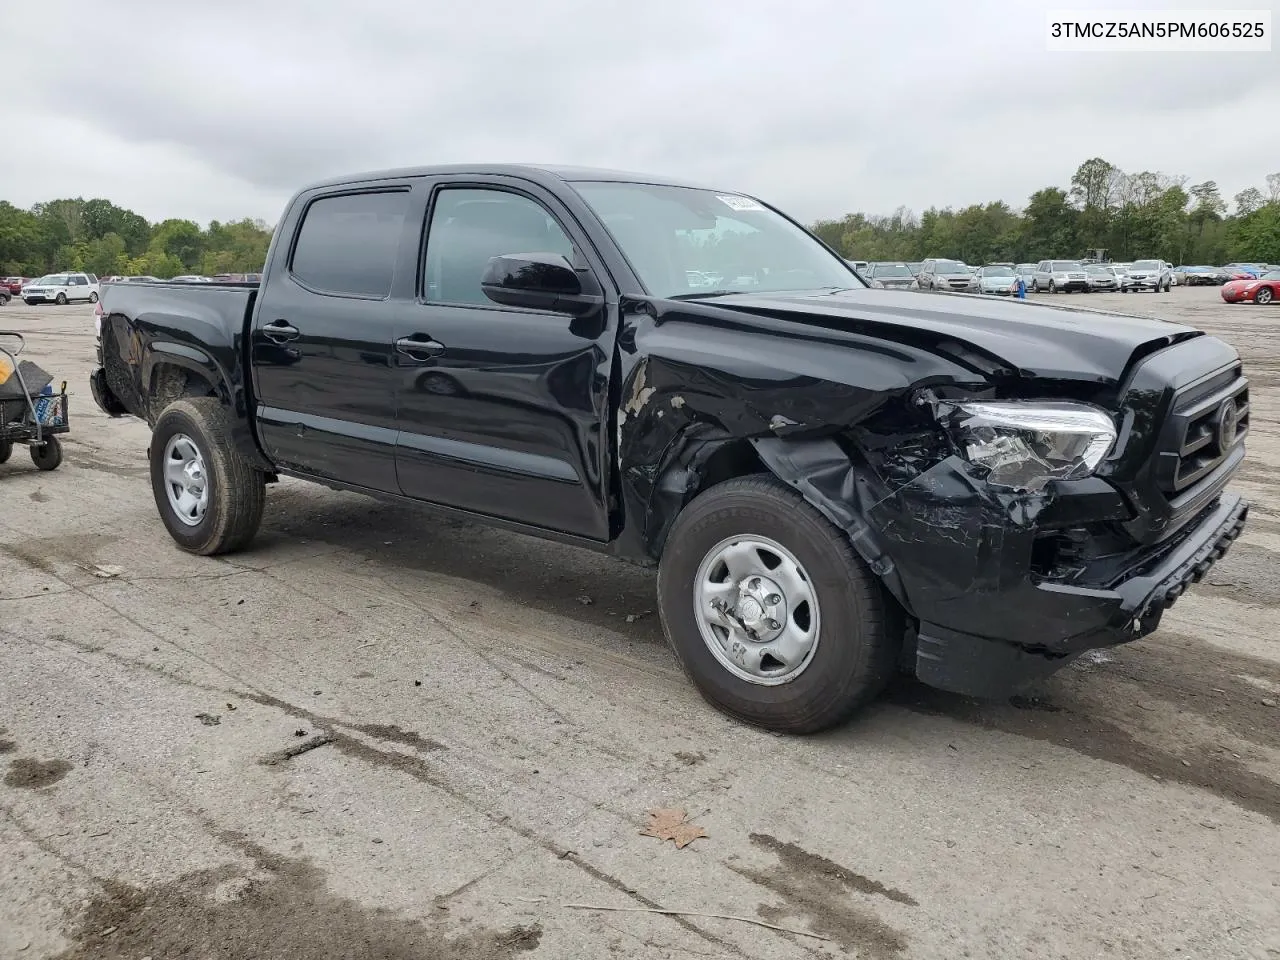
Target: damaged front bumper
x: 1053, y: 622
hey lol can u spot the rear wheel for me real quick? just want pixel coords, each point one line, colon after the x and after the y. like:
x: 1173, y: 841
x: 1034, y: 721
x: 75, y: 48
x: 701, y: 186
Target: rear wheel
x: 771, y: 613
x: 209, y: 497
x: 1263, y: 296
x: 48, y: 455
x: 93, y: 298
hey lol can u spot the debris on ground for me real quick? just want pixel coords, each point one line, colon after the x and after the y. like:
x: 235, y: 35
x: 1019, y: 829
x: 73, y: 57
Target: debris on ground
x: 105, y: 571
x: 209, y: 719
x: 633, y: 617
x: 297, y: 750
x: 1268, y: 702
x: 666, y: 823
x: 688, y: 758
x: 585, y: 600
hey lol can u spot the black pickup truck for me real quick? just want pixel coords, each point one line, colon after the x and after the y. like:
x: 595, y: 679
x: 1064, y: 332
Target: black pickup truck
x: 835, y: 481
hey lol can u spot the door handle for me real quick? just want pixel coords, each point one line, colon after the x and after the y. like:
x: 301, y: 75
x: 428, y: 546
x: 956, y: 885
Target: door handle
x: 280, y: 331
x: 419, y: 347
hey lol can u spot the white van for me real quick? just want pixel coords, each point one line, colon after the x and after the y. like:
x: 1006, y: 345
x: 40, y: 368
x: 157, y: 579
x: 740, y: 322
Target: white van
x: 61, y: 288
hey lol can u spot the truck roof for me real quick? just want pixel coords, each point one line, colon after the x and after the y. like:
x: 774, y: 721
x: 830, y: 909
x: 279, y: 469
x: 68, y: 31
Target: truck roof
x: 541, y: 173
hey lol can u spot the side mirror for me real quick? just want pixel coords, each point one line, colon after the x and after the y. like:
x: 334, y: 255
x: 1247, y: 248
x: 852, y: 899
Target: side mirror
x: 539, y: 281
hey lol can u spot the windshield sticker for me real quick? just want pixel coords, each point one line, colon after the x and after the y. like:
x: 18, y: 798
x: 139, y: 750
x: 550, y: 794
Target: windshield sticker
x: 738, y: 203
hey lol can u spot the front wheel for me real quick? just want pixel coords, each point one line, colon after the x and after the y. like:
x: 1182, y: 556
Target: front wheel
x: 209, y: 497
x: 1263, y: 296
x: 93, y: 298
x: 1052, y: 288
x: 773, y: 616
x: 60, y: 299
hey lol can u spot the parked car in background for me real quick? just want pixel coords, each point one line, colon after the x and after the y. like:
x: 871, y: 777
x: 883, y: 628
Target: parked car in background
x: 145, y: 278
x: 1251, y: 270
x: 1263, y: 290
x: 237, y: 278
x: 997, y: 279
x: 859, y: 265
x: 1178, y: 275
x: 1058, y: 276
x: 1150, y: 275
x: 1200, y: 276
x: 190, y: 278
x: 891, y: 275
x: 1100, y: 276
x: 61, y: 288
x: 914, y: 266
x: 946, y: 275
x: 13, y: 285
x: 1027, y: 272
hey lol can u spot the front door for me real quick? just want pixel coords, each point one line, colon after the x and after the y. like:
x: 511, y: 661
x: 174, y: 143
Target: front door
x: 322, y: 340
x: 503, y: 410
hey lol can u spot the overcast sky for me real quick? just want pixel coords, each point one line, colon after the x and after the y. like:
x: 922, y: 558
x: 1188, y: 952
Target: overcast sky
x: 219, y: 110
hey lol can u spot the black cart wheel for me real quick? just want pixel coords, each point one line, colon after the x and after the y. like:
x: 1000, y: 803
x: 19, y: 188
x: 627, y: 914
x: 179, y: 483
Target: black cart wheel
x: 771, y: 613
x: 6, y: 450
x: 47, y: 456
x: 209, y: 497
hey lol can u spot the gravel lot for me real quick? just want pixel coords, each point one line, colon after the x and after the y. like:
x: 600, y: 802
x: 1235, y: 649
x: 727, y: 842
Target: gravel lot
x: 380, y: 734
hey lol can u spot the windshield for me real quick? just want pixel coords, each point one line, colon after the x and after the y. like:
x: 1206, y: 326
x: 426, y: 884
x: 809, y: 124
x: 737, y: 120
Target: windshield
x: 667, y: 231
x: 997, y: 271
x: 890, y: 270
x: 1099, y: 270
x: 1146, y: 265
x: 946, y: 267
x: 54, y: 279
x: 1064, y: 265
x: 1270, y: 275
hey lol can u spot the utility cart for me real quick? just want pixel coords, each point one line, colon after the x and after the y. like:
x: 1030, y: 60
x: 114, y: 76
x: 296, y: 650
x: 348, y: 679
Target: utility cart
x: 30, y: 412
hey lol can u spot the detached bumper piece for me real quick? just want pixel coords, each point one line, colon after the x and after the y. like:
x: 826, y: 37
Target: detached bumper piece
x: 1126, y: 611
x: 107, y: 401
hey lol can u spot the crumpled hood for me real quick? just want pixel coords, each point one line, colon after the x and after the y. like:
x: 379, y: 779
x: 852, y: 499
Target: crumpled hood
x: 1037, y: 341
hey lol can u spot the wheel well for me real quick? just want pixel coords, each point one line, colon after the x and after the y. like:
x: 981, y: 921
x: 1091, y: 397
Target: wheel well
x: 736, y: 458
x: 170, y: 382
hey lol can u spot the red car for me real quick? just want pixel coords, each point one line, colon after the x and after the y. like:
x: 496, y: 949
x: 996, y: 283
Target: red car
x: 13, y: 284
x: 1265, y: 289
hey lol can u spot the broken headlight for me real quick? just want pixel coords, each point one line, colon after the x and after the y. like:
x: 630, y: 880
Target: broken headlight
x: 1023, y: 445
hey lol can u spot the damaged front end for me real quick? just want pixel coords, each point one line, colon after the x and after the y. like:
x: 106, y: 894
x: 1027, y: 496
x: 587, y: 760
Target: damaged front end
x: 987, y: 522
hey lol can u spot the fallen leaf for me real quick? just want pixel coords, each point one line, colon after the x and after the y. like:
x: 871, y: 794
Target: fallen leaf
x: 671, y: 824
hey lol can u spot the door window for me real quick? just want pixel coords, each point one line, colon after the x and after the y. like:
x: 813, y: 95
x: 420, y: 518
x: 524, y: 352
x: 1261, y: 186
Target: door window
x: 470, y: 226
x: 348, y: 244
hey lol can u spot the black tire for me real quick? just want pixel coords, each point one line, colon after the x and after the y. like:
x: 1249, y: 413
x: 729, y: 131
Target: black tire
x: 60, y: 299
x: 1263, y: 297
x: 6, y: 450
x: 857, y: 644
x: 4, y: 298
x: 1052, y: 287
x: 47, y: 456
x: 93, y: 298
x: 1035, y: 286
x: 237, y: 492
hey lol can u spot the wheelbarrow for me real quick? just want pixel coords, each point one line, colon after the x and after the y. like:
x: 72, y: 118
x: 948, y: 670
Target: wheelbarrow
x: 30, y: 412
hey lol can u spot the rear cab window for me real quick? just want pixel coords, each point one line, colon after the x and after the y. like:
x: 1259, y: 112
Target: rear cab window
x: 348, y: 244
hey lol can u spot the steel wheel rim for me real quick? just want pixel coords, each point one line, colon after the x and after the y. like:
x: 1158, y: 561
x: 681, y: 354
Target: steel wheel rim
x: 185, y: 480
x: 757, y: 610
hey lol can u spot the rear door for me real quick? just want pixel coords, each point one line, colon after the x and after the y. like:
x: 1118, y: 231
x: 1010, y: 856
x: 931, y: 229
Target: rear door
x: 503, y: 410
x: 322, y: 339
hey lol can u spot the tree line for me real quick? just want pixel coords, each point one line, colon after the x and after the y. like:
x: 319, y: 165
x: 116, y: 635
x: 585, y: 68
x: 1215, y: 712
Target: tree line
x: 98, y: 237
x: 1131, y: 215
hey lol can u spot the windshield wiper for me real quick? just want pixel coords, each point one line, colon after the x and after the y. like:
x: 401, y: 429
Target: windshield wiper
x: 698, y: 294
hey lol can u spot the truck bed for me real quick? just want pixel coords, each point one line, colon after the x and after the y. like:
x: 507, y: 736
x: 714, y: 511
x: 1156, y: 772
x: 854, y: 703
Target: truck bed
x: 143, y: 324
